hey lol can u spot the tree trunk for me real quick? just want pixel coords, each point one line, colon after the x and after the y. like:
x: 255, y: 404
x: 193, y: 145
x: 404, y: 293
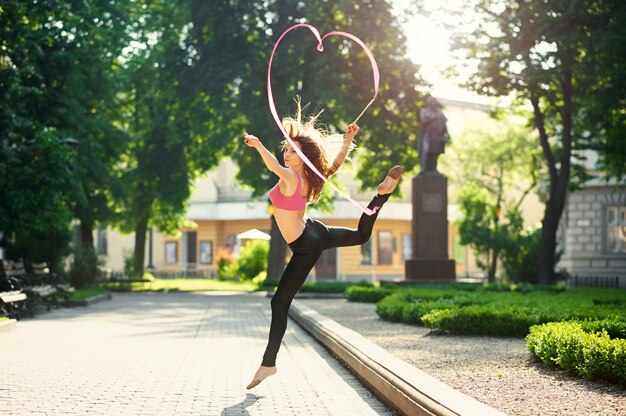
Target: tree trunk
x: 559, y: 178
x: 276, y: 255
x: 547, y: 250
x: 493, y: 267
x: 140, y: 246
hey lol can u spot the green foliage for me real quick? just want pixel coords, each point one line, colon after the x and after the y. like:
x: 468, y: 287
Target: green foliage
x: 84, y: 269
x: 333, y: 286
x: 498, y: 309
x: 366, y: 294
x: 87, y: 292
x: 181, y: 284
x: 260, y: 278
x: 226, y: 269
x: 59, y: 83
x: 583, y: 348
x: 520, y: 257
x: 253, y: 259
x: 563, y: 58
x: 488, y: 166
x: 49, y: 245
x: 129, y: 265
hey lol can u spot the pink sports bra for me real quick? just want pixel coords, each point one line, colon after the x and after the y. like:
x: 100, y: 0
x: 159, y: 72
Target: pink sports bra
x: 295, y: 202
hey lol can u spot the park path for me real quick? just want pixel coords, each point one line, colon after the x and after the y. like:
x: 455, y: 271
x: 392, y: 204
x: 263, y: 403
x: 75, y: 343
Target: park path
x: 170, y: 353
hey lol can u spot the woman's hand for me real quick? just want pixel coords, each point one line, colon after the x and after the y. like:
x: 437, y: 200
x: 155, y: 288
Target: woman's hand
x: 351, y: 131
x: 250, y: 140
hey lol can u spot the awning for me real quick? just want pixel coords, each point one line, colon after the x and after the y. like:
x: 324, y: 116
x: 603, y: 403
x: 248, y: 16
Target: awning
x: 253, y: 234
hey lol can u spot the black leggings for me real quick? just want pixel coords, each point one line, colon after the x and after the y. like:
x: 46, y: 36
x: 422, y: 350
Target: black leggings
x: 306, y: 249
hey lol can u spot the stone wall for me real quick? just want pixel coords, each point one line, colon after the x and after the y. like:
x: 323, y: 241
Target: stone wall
x: 582, y: 234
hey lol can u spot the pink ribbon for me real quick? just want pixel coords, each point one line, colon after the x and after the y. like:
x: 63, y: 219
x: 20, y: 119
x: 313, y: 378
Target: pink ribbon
x: 270, y: 98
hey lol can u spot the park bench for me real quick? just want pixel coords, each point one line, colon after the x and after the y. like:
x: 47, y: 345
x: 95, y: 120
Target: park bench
x: 37, y: 291
x: 43, y: 274
x: 10, y: 303
x: 12, y: 299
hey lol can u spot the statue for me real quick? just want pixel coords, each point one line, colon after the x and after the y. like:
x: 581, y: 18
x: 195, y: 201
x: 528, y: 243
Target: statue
x: 433, y: 136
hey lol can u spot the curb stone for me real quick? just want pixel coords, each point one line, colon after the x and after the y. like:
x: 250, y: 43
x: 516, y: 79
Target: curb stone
x: 91, y: 300
x: 405, y: 388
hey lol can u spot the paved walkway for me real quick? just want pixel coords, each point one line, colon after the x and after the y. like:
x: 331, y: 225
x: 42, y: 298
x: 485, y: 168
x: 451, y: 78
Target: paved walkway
x: 165, y: 354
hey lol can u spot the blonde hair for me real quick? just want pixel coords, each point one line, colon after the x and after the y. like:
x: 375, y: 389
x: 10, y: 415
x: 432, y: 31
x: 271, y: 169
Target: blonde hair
x: 318, y: 144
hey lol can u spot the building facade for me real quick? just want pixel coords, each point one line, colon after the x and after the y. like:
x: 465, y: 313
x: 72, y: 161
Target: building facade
x: 592, y: 233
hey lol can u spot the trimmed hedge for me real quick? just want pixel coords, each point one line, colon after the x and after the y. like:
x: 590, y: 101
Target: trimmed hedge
x: 584, y: 348
x: 333, y: 287
x: 366, y: 294
x: 509, y: 319
x: 486, y: 311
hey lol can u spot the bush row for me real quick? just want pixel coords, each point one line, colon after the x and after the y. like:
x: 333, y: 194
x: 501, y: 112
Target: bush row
x: 584, y: 348
x: 335, y: 287
x: 433, y: 291
x: 502, y: 319
x: 487, y: 312
x: 366, y: 294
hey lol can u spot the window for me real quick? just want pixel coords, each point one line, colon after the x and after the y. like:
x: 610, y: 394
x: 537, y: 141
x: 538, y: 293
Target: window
x: 102, y: 248
x: 171, y: 252
x: 406, y: 246
x: 616, y: 229
x: 385, y: 247
x: 366, y: 253
x: 206, y: 252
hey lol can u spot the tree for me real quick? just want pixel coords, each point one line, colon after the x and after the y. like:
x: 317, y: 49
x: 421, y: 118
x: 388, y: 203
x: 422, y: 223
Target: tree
x: 176, y: 117
x: 495, y: 168
x: 36, y: 177
x: 337, y: 81
x: 543, y: 52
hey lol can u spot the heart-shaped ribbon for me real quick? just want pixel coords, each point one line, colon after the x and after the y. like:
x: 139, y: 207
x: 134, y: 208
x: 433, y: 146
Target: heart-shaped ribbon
x: 270, y: 98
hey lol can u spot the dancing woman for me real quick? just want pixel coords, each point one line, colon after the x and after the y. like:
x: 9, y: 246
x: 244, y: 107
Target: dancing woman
x: 298, y: 186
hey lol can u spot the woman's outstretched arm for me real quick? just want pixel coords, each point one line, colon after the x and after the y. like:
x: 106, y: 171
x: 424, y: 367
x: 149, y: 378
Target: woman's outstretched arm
x: 351, y: 131
x: 269, y: 159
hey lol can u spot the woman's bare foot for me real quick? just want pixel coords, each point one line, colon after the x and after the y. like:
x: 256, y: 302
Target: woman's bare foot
x: 391, y: 181
x: 261, y: 374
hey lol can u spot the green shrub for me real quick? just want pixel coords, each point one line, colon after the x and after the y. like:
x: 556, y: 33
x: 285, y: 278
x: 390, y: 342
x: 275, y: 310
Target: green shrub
x: 581, y: 349
x: 499, y: 310
x: 253, y: 259
x: 333, y: 286
x: 520, y: 257
x: 129, y: 264
x: 412, y: 313
x: 390, y: 308
x: 506, y: 321
x: 613, y: 327
x: 84, y: 268
x: 366, y: 294
x: 260, y: 278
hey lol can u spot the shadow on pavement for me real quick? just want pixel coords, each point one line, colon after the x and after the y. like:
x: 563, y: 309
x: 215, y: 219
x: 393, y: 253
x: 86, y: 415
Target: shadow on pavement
x: 239, y: 409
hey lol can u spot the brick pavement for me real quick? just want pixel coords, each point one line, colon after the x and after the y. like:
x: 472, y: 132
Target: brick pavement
x: 176, y: 353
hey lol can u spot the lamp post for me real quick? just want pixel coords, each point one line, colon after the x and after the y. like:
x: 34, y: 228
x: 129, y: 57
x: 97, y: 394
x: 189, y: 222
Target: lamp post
x: 150, y: 265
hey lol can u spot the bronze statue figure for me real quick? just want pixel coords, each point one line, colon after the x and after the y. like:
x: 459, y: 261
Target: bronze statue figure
x: 433, y: 136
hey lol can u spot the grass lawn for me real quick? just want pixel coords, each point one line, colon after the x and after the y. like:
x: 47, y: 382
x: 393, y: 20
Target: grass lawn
x: 87, y: 292
x: 4, y: 318
x: 184, y: 285
x: 199, y: 285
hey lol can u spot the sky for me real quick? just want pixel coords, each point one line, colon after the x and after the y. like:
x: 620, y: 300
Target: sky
x: 428, y: 45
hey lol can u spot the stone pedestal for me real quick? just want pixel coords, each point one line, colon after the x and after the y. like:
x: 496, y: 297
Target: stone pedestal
x: 429, y: 260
